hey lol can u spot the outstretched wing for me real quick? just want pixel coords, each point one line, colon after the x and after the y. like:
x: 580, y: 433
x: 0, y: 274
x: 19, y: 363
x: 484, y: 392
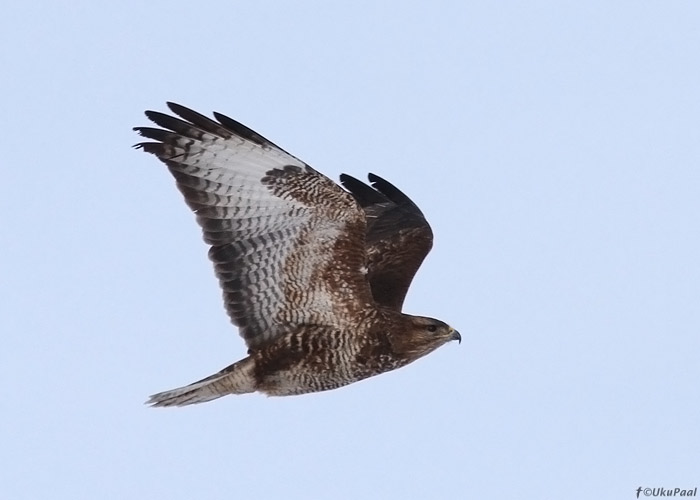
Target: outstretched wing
x: 398, y: 238
x: 287, y: 243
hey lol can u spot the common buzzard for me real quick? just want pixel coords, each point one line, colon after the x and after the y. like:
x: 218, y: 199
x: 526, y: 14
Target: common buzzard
x: 313, y: 275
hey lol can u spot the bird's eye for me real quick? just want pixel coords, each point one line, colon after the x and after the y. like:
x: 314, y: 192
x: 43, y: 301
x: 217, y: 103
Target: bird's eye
x: 432, y: 328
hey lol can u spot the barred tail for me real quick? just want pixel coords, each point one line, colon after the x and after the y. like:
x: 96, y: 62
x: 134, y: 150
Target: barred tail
x: 238, y: 378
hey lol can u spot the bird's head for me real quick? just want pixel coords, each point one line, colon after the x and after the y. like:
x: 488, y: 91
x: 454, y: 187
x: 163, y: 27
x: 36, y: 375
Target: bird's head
x: 423, y: 335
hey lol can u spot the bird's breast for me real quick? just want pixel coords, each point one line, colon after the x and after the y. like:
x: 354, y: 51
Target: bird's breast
x: 319, y: 359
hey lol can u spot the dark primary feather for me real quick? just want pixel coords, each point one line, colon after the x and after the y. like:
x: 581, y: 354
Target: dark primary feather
x: 398, y: 237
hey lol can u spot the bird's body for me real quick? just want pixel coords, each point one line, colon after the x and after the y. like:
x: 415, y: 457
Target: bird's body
x: 313, y: 275
x: 307, y: 359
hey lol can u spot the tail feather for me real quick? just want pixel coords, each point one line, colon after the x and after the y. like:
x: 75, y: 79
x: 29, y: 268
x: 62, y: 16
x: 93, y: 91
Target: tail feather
x: 236, y: 379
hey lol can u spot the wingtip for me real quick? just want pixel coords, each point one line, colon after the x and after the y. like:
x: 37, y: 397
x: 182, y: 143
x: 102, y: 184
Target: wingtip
x: 150, y: 113
x: 392, y: 192
x: 173, y: 106
x: 363, y: 193
x: 349, y: 179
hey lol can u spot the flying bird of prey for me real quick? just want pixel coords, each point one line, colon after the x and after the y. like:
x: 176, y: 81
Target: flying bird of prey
x: 313, y: 275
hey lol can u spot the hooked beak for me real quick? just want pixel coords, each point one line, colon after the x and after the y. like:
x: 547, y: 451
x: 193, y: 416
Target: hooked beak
x: 455, y: 335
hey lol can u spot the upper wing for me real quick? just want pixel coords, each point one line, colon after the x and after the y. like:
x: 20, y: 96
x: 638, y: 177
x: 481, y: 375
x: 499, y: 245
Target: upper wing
x: 287, y: 243
x: 398, y: 238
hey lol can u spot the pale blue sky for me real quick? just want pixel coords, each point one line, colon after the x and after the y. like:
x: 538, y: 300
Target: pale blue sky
x: 554, y: 146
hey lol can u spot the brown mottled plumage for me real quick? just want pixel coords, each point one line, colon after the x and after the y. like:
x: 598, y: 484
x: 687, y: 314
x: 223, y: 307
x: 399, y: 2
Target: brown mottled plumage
x: 314, y: 276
